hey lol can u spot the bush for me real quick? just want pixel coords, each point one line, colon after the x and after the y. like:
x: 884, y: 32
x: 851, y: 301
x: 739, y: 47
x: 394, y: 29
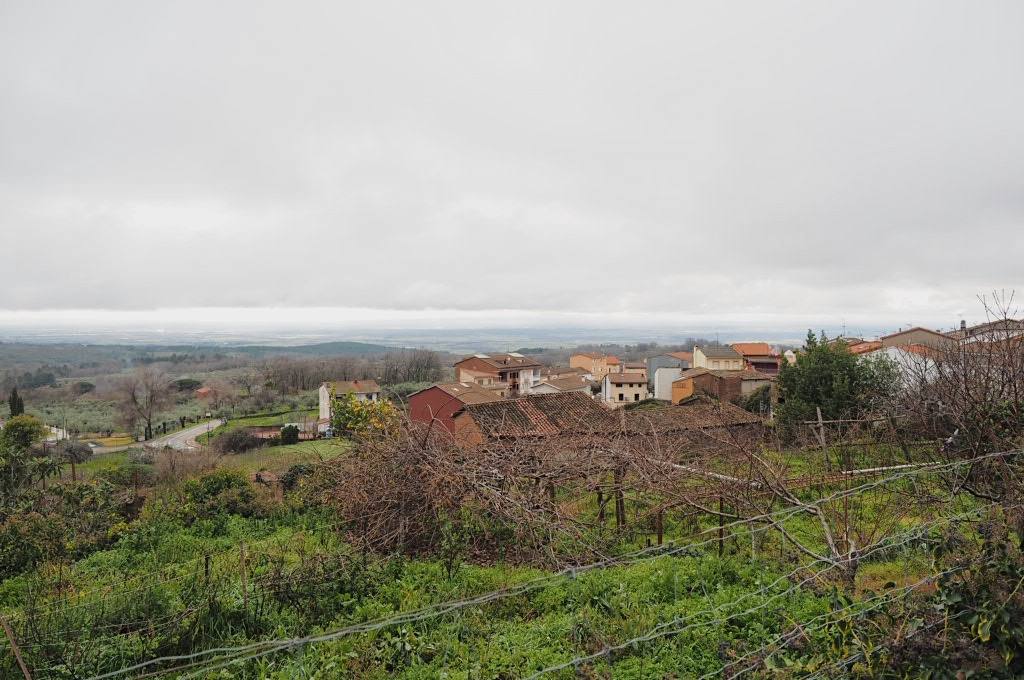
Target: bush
x: 187, y: 384
x: 289, y: 434
x: 82, y: 387
x: 224, y: 492
x: 237, y: 441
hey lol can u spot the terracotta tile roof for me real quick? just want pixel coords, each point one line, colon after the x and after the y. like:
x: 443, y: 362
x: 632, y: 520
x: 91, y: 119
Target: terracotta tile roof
x: 620, y: 378
x: 865, y: 347
x: 612, y: 360
x: 696, y: 413
x: 468, y: 393
x: 354, y: 386
x: 719, y: 352
x: 569, y: 383
x: 541, y: 415
x: 753, y: 349
x: 636, y: 364
x: 589, y: 355
x: 499, y: 361
x: 564, y: 371
x: 744, y: 374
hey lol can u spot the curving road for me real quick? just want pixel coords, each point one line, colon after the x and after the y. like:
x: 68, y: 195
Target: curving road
x: 184, y: 440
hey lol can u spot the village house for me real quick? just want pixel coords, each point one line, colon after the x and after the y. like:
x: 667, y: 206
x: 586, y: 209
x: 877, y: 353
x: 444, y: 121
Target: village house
x: 759, y: 356
x: 915, y: 336
x: 717, y: 358
x: 553, y: 372
x: 597, y: 364
x: 723, y: 385
x: 635, y: 367
x: 439, y: 403
x: 999, y: 329
x: 663, y: 379
x: 363, y: 390
x: 695, y: 427
x: 619, y: 389
x: 538, y: 416
x: 570, y: 383
x: 509, y: 374
x: 680, y: 360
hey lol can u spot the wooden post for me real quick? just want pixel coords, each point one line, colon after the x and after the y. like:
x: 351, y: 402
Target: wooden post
x: 721, y: 525
x: 661, y: 526
x: 245, y: 582
x: 15, y: 648
x: 600, y: 506
x: 821, y: 440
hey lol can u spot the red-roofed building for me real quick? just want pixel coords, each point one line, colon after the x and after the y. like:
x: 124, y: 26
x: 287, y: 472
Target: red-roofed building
x: 759, y: 356
x: 437, y: 404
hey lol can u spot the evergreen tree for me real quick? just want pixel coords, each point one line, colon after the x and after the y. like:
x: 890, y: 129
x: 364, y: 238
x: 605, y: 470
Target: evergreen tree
x: 15, y: 403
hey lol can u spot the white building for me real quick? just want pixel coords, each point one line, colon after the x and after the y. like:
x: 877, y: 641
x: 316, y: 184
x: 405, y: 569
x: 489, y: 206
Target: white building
x: 364, y: 390
x: 663, y: 378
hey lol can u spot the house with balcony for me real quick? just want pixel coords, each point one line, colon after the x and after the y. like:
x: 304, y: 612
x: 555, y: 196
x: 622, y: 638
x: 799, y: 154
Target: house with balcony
x: 759, y: 356
x: 510, y: 374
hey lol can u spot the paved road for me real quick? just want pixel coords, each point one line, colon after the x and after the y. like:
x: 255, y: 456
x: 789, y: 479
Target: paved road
x: 184, y: 440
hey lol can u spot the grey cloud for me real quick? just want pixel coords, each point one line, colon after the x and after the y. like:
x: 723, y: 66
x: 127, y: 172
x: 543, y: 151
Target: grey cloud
x: 750, y: 158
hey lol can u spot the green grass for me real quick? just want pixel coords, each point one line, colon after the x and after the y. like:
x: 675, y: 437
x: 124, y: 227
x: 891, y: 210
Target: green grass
x: 279, y: 458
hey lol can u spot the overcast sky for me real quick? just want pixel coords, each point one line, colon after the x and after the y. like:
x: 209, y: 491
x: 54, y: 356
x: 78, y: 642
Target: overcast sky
x: 770, y: 160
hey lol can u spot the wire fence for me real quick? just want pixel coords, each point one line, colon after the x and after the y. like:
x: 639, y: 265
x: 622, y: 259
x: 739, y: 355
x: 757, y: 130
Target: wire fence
x: 216, y: 657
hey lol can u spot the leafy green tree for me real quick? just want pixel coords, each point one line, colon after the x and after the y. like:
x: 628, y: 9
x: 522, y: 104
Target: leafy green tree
x: 829, y: 377
x: 15, y: 403
x: 20, y: 468
x: 351, y: 415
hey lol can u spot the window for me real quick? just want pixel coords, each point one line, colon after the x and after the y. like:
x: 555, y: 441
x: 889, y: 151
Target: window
x: 622, y: 397
x: 636, y: 397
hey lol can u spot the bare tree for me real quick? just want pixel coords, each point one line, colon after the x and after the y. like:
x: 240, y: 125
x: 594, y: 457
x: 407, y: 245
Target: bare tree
x: 142, y: 395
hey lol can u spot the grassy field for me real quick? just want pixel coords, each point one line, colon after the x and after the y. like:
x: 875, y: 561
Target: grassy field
x: 281, y: 567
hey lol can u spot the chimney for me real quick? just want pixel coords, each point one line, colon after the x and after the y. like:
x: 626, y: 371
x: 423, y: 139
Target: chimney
x: 963, y: 325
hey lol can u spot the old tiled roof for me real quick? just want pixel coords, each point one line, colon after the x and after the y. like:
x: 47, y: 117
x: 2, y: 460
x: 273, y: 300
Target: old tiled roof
x: 635, y: 364
x: 696, y: 413
x: 564, y: 371
x: 620, y: 378
x: 354, y: 386
x: 753, y: 349
x: 865, y: 347
x: 745, y: 374
x: 469, y: 393
x: 589, y: 355
x: 541, y: 415
x: 504, y: 360
x: 720, y: 353
x: 573, y: 382
x: 612, y: 360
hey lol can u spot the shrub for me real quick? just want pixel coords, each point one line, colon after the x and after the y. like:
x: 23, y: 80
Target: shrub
x: 237, y: 441
x: 289, y: 434
x: 221, y: 492
x: 187, y: 384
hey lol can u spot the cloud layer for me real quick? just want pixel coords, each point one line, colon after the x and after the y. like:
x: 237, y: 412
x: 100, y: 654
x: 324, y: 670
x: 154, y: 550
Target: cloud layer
x: 859, y: 159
